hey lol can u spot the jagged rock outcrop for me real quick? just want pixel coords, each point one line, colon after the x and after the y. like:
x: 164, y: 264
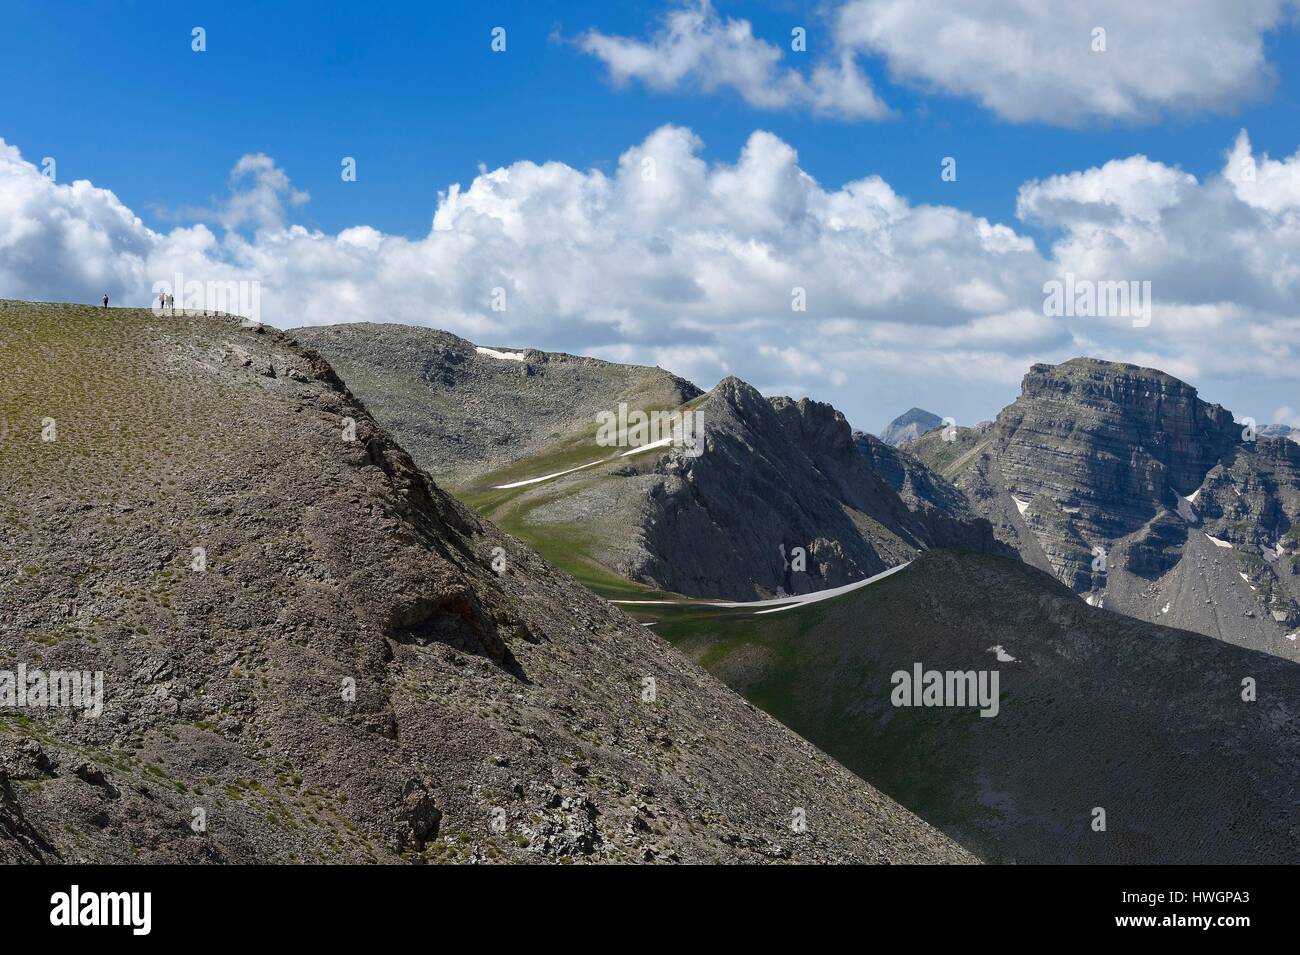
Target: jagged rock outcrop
x: 943, y: 515
x: 778, y: 475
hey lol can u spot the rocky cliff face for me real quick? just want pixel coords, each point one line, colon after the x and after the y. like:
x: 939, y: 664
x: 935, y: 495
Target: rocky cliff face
x: 1100, y: 471
x: 309, y: 652
x: 944, y: 516
x: 778, y: 475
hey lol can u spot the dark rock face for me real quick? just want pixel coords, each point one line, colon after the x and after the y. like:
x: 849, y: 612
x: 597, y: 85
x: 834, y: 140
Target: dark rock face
x: 778, y: 475
x: 944, y: 517
x: 347, y: 677
x: 909, y: 426
x: 1112, y: 477
x: 1158, y: 547
x: 1116, y: 441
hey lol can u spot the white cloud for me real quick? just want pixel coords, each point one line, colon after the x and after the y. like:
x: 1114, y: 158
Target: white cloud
x: 695, y: 48
x: 1026, y: 60
x: 65, y: 241
x: 1123, y: 189
x: 673, y: 260
x: 1034, y: 59
x: 259, y: 190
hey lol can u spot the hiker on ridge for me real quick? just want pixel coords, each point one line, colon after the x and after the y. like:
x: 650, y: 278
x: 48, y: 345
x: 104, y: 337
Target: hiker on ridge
x: 106, y: 300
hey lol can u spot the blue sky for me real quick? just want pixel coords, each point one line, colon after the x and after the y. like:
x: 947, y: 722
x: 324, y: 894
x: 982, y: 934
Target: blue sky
x: 414, y: 93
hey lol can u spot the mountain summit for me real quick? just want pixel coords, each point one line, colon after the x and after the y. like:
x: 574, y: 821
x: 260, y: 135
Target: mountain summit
x: 909, y: 426
x: 1128, y: 487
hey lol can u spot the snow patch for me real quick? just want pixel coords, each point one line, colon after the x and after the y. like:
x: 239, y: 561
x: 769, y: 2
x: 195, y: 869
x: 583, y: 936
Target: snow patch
x: 1191, y: 498
x: 582, y: 467
x: 661, y: 443
x: 1000, y: 652
x: 547, y: 477
x: 1219, y: 543
x: 1021, y: 506
x: 776, y: 604
x: 504, y: 355
x: 1165, y: 608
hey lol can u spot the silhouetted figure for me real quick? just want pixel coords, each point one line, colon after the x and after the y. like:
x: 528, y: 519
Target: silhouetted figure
x: 106, y: 300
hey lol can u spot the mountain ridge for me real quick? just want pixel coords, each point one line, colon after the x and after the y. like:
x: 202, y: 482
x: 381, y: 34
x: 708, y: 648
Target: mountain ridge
x: 780, y: 501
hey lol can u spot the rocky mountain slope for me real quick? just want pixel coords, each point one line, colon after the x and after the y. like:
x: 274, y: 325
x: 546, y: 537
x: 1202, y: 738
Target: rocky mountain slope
x: 1280, y: 431
x: 909, y: 426
x: 780, y: 500
x: 1137, y: 494
x: 311, y: 653
x: 1154, y: 726
x: 463, y: 410
x: 775, y: 475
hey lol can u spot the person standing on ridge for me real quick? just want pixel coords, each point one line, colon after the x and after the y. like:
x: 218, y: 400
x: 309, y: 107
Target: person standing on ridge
x: 106, y: 300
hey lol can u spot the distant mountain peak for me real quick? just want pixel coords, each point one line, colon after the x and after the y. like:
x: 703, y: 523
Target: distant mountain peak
x: 1280, y: 431
x: 909, y: 425
x: 1118, y: 462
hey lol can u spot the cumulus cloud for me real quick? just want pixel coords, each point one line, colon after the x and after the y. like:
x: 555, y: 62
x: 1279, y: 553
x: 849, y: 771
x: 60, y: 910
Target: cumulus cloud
x: 65, y: 241
x: 1286, y: 415
x: 259, y: 190
x: 697, y: 49
x: 1037, y: 60
x: 1026, y: 60
x: 749, y: 267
